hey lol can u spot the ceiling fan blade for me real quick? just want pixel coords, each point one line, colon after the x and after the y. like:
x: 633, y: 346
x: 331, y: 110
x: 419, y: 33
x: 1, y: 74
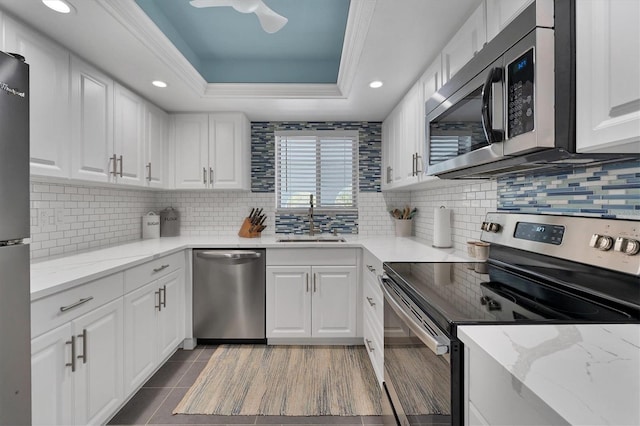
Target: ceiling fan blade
x: 210, y: 3
x: 271, y: 21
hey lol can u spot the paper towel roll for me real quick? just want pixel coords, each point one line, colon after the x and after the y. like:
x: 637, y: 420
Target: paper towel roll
x: 442, y: 227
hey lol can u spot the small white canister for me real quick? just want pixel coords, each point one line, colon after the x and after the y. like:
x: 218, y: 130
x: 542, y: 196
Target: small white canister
x: 150, y: 226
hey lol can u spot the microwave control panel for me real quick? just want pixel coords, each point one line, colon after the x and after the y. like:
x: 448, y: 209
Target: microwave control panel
x: 520, y: 88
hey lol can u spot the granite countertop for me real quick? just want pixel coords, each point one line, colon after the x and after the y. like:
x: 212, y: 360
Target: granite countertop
x: 586, y: 374
x: 51, y: 276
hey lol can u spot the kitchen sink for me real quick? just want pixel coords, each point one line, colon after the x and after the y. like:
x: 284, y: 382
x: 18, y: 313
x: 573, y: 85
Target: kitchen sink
x: 307, y: 239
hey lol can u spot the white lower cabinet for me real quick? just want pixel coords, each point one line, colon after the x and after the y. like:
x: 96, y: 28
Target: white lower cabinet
x: 372, y: 313
x: 311, y: 301
x: 77, y: 369
x: 154, y: 325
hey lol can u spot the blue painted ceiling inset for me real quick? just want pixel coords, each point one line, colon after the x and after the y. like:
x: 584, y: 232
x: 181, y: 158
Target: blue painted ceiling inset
x: 226, y: 46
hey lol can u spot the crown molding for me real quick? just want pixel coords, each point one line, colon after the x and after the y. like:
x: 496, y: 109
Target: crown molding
x: 133, y: 18
x: 358, y: 22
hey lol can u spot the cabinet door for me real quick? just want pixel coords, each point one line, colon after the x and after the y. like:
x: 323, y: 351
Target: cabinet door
x: 399, y: 156
x: 387, y: 154
x: 414, y: 133
x: 288, y: 301
x: 607, y: 70
x: 501, y: 12
x: 140, y: 342
x: 191, y: 145
x: 129, y: 136
x: 334, y: 301
x: 171, y: 315
x: 51, y: 378
x: 229, y: 156
x: 156, y: 137
x: 49, y: 106
x: 468, y: 41
x: 98, y: 385
x: 431, y: 79
x: 91, y: 123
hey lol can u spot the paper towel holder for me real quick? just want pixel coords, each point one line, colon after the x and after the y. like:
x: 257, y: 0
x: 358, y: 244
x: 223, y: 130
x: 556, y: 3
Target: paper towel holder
x: 449, y: 224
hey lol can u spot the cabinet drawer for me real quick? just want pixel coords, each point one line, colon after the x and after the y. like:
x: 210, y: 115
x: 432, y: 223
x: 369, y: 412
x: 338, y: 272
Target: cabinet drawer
x: 372, y: 299
x: 143, y: 274
x: 52, y: 311
x: 313, y: 256
x: 373, y: 338
x: 371, y: 264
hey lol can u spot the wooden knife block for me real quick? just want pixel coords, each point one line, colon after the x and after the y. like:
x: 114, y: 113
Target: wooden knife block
x: 244, y: 230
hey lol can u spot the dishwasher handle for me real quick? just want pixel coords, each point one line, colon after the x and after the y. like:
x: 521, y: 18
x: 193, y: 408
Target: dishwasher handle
x: 236, y: 254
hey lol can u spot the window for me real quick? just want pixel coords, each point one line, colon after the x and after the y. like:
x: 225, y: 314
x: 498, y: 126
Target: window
x: 323, y: 164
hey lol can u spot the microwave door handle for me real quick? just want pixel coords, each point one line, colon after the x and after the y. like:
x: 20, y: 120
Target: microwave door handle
x: 494, y: 76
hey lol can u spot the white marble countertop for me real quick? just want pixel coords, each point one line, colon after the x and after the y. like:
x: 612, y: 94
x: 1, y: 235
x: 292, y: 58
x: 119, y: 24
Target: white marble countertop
x: 51, y: 276
x: 587, y: 374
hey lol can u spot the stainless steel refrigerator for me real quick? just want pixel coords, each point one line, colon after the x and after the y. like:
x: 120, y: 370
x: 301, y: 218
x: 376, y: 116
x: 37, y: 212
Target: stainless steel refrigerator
x: 15, y: 312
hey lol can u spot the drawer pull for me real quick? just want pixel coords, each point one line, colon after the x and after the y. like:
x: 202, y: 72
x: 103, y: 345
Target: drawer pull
x: 371, y: 269
x: 307, y: 275
x: 371, y: 302
x: 83, y: 357
x: 74, y: 305
x: 371, y: 349
x: 163, y: 267
x: 72, y: 364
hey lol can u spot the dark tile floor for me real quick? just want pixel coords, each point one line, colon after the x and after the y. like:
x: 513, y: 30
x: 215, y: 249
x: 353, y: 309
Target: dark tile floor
x: 155, y: 401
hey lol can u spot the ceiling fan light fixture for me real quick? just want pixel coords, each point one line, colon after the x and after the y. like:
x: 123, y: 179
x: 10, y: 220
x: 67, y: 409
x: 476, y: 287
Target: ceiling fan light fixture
x: 246, y: 6
x: 376, y: 84
x: 270, y: 21
x: 59, y: 6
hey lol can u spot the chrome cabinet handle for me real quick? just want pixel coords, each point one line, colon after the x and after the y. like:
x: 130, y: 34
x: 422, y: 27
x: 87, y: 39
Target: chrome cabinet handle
x: 159, y: 305
x: 371, y: 269
x: 149, y: 171
x: 211, y: 175
x: 76, y: 304
x: 120, y: 160
x: 83, y: 336
x: 368, y: 342
x: 163, y: 267
x: 72, y: 364
x: 163, y: 291
x: 413, y: 164
x: 418, y: 169
x: 307, y: 279
x: 371, y: 302
x: 315, y: 288
x: 204, y: 175
x: 389, y: 169
x: 114, y: 170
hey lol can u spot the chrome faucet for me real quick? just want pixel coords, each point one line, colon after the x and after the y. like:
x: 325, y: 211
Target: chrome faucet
x: 312, y: 230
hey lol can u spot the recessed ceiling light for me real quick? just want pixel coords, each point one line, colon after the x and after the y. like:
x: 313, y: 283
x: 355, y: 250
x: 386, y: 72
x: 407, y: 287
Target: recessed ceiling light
x: 375, y: 84
x: 159, y: 83
x: 59, y: 6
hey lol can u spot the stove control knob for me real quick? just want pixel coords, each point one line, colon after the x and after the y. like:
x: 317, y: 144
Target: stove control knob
x: 494, y: 227
x: 484, y: 226
x: 601, y: 242
x: 484, y: 300
x: 627, y: 246
x: 493, y: 305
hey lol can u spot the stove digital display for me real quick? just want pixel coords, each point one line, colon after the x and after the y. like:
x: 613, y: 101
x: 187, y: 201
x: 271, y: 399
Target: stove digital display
x: 542, y: 233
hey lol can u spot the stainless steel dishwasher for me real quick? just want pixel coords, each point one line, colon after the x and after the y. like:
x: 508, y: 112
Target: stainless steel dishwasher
x: 229, y: 295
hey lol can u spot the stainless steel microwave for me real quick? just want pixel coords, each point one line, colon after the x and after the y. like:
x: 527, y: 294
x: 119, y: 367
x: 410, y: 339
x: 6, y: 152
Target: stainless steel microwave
x: 511, y: 109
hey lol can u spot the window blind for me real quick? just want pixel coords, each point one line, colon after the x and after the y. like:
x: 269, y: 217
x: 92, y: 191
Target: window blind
x: 325, y: 166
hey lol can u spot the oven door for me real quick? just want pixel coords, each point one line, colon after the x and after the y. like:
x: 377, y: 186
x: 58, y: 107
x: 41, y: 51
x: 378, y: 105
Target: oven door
x: 417, y: 370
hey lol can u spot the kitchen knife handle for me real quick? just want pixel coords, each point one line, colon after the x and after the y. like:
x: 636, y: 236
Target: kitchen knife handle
x: 72, y: 364
x: 204, y: 175
x: 83, y: 336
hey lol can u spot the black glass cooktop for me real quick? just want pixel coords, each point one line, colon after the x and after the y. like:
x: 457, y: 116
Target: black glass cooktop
x: 494, y: 292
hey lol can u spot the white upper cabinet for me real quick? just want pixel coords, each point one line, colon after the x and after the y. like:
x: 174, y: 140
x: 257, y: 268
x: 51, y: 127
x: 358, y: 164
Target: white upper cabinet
x: 501, y: 12
x: 607, y: 76
x: 49, y: 98
x: 191, y: 147
x: 212, y: 151
x: 91, y: 124
x: 431, y: 79
x: 155, y: 146
x: 387, y: 154
x: 229, y: 151
x: 129, y: 127
x: 468, y: 41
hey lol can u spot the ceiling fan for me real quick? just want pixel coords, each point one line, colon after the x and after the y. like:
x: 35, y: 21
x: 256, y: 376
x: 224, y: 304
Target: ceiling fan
x: 270, y: 21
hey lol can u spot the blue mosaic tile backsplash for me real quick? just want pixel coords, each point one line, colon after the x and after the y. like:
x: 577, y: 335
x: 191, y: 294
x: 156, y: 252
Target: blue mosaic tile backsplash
x: 263, y: 169
x: 610, y: 190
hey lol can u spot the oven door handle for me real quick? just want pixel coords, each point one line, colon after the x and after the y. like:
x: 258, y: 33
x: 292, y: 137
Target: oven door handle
x: 439, y: 345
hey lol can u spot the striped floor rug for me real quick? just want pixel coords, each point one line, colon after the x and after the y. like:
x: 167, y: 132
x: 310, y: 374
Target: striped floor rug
x: 259, y: 380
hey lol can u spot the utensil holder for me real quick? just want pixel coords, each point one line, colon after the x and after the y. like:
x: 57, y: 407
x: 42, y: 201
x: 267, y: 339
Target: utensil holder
x: 245, y: 230
x: 403, y: 227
